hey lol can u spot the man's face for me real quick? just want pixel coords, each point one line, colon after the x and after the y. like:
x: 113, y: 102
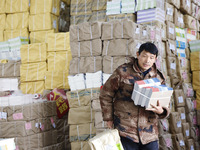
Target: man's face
x: 146, y: 60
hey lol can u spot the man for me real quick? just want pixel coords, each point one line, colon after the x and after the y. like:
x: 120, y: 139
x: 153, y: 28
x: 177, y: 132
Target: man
x: 137, y: 126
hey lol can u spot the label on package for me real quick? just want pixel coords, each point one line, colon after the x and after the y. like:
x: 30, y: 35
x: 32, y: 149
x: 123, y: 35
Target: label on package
x: 3, y: 115
x: 187, y: 132
x: 181, y: 142
x: 180, y: 99
x: 18, y: 116
x: 137, y: 31
x: 183, y: 116
x: 179, y: 124
x: 172, y: 47
x: 170, y: 11
x: 173, y: 66
x: 28, y: 126
x: 180, y: 19
x: 171, y: 30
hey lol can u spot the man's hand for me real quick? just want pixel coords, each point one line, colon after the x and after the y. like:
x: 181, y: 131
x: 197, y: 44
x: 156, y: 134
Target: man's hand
x: 110, y: 124
x: 156, y: 109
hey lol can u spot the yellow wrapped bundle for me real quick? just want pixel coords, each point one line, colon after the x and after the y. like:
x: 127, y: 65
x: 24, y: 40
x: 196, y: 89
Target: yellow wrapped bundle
x: 32, y: 87
x: 58, y: 42
x: 196, y: 80
x: 45, y: 21
x: 33, y: 71
x: 1, y: 36
x: 15, y: 6
x: 2, y: 6
x: 56, y: 79
x: 33, y: 52
x: 17, y: 21
x: 59, y: 61
x: 45, y: 6
x: 10, y: 34
x: 2, y: 21
x: 40, y: 36
x: 195, y: 61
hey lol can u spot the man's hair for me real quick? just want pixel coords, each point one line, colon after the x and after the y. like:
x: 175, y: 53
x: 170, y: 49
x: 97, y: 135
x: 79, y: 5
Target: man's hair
x: 148, y: 47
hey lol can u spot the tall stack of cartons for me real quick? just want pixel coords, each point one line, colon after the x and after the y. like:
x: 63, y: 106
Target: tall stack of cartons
x: 43, y: 19
x: 58, y: 59
x: 17, y: 19
x: 81, y: 117
x: 33, y: 68
x: 2, y: 19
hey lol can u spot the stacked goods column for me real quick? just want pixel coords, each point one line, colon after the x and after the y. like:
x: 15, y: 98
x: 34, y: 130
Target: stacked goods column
x: 17, y: 19
x: 58, y: 59
x: 33, y: 68
x: 43, y: 19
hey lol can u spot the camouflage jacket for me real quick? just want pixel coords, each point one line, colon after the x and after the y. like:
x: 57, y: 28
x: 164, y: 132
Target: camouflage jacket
x: 132, y: 121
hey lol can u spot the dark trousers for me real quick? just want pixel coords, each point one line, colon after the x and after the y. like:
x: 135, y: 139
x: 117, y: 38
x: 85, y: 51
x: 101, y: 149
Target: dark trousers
x: 130, y: 145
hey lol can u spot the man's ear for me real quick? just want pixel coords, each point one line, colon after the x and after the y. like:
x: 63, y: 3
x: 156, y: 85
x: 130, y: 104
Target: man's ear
x: 137, y: 54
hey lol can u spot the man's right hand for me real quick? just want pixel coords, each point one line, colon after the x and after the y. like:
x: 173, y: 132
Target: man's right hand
x: 110, y: 124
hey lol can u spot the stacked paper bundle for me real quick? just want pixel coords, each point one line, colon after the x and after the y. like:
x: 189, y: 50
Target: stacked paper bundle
x: 113, y: 7
x: 147, y: 92
x: 43, y: 19
x: 128, y: 6
x: 150, y: 15
x: 86, y: 49
x: 81, y: 115
x: 105, y: 77
x: 93, y: 80
x: 147, y: 4
x: 77, y: 82
x: 33, y: 68
x: 194, y: 45
x: 11, y: 49
x: 17, y: 20
x: 7, y: 144
x: 58, y: 59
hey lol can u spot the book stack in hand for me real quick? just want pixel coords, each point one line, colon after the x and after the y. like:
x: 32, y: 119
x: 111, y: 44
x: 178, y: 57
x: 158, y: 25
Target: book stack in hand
x: 148, y: 92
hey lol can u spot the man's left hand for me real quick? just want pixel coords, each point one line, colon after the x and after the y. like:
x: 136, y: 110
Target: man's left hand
x: 156, y: 109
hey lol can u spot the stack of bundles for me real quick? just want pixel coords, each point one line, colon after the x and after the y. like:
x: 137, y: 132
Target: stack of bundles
x: 17, y: 20
x: 113, y: 7
x: 7, y: 143
x: 33, y: 68
x: 43, y: 19
x: 82, y: 116
x: 10, y: 49
x: 86, y: 49
x: 58, y: 59
x: 150, y: 11
x: 64, y: 18
x: 30, y: 125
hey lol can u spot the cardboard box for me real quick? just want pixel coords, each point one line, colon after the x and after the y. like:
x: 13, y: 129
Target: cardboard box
x: 176, y: 3
x: 181, y: 111
x: 17, y: 21
x: 9, y: 34
x: 33, y: 52
x: 56, y: 79
x: 149, y: 91
x: 179, y: 98
x: 98, y: 5
x: 42, y: 7
x: 171, y: 66
x: 10, y: 69
x: 178, y: 141
x: 186, y: 130
x: 165, y: 141
x: 189, y: 144
x: 59, y: 61
x: 178, y: 19
x: 190, y: 22
x: 81, y: 144
x: 33, y: 71
x: 85, y: 64
x: 45, y: 21
x: 169, y: 12
x: 186, y: 6
x: 9, y: 84
x: 81, y: 132
x: 75, y: 20
x: 17, y: 6
x: 86, y: 48
x: 171, y: 34
x: 58, y: 42
x: 40, y: 36
x: 171, y: 48
x: 175, y: 123
x: 87, y: 31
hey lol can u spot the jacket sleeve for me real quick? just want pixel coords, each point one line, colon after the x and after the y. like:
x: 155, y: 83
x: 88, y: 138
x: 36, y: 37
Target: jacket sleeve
x: 107, y: 94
